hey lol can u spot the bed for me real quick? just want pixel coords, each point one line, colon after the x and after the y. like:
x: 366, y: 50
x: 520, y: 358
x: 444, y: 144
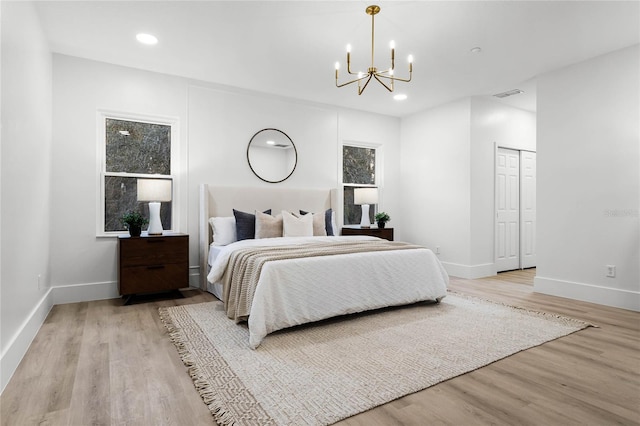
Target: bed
x: 279, y: 282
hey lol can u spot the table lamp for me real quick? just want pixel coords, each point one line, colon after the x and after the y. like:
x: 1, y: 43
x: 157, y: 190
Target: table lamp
x: 365, y: 197
x: 155, y: 191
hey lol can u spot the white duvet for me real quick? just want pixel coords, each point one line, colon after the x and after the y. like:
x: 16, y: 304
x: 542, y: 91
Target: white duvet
x: 298, y: 291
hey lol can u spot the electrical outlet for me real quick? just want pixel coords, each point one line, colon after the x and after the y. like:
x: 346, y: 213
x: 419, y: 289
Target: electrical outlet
x: 611, y: 271
x: 438, y: 250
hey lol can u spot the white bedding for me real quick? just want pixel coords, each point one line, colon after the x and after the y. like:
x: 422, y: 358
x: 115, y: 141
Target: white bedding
x: 216, y: 287
x: 298, y: 291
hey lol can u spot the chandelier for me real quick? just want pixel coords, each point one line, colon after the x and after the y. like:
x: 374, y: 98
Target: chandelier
x: 386, y: 77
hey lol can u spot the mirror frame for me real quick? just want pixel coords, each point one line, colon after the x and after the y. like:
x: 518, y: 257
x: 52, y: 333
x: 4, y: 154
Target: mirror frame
x: 295, y: 150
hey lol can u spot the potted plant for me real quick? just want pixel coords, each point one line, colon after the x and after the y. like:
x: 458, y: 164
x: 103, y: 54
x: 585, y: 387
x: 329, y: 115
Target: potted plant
x: 382, y: 218
x: 134, y: 222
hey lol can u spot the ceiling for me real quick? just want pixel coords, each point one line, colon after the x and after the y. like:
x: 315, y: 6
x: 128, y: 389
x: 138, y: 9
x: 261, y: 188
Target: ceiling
x: 289, y: 48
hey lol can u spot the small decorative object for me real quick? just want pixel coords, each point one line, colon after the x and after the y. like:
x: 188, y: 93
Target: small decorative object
x: 382, y: 218
x: 134, y: 222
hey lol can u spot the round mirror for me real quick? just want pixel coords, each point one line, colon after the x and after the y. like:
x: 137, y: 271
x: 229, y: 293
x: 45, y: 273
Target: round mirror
x: 272, y: 155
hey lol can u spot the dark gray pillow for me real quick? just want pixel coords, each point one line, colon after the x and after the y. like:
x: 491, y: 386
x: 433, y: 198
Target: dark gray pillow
x: 327, y: 221
x: 246, y: 224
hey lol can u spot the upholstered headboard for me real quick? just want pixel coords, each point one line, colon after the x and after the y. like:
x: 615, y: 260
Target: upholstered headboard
x: 216, y: 201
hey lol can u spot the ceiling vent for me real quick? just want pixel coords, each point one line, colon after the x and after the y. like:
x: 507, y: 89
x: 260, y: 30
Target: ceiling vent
x: 508, y: 93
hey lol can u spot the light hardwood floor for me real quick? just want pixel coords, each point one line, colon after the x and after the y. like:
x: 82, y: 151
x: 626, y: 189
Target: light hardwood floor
x: 100, y: 363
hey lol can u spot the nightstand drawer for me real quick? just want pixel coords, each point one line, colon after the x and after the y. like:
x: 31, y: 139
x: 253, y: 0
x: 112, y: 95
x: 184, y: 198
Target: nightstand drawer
x: 153, y: 251
x: 153, y: 278
x: 386, y: 233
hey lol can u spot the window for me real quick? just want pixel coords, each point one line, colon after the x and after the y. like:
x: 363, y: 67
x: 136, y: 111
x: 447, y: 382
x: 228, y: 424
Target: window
x: 132, y: 149
x: 358, y: 171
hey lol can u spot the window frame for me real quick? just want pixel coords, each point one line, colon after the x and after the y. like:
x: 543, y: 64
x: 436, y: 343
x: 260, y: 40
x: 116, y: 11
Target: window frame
x: 101, y: 117
x: 378, y: 174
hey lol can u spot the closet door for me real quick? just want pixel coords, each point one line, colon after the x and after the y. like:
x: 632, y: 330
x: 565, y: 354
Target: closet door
x: 507, y: 209
x: 527, y: 209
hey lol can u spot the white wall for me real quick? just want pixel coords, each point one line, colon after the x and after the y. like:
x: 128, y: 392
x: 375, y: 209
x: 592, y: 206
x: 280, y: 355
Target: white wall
x: 26, y: 169
x: 492, y: 124
x: 216, y: 124
x: 80, y: 89
x: 435, y: 178
x: 588, y: 180
x: 447, y: 160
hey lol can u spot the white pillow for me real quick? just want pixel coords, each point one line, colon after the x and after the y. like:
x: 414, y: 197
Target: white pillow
x: 293, y: 226
x: 224, y: 230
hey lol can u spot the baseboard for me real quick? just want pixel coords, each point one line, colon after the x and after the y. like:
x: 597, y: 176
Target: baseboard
x: 608, y: 296
x: 106, y: 290
x: 194, y: 276
x: 17, y: 348
x: 85, y: 292
x: 470, y: 272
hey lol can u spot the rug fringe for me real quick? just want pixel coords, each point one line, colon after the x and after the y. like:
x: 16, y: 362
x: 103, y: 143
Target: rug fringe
x: 207, y: 393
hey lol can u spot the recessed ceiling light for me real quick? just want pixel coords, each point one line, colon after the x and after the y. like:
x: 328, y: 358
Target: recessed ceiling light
x: 400, y: 97
x: 476, y: 50
x: 271, y: 143
x: 146, y: 39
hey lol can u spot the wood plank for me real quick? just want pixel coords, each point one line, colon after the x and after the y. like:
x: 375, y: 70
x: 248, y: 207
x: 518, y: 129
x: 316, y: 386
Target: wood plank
x: 104, y: 363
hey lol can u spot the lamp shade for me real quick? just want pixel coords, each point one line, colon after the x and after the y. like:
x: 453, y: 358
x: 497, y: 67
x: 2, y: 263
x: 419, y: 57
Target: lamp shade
x: 365, y: 196
x: 154, y: 190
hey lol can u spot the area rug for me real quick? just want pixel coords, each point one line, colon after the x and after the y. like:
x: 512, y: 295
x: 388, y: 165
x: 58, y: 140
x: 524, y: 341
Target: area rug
x: 321, y: 373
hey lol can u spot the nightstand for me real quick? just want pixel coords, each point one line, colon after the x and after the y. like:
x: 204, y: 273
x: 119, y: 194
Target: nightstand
x: 386, y: 233
x: 152, y: 264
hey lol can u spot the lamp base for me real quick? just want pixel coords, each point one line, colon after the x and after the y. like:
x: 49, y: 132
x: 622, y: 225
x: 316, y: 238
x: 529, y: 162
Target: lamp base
x: 364, y: 220
x: 155, y: 224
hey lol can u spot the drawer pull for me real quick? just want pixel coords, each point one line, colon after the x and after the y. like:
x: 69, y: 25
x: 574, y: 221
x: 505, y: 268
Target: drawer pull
x: 155, y: 267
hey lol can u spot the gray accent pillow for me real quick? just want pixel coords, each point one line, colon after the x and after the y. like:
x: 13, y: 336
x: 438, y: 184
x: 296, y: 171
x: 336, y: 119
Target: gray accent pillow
x: 246, y: 224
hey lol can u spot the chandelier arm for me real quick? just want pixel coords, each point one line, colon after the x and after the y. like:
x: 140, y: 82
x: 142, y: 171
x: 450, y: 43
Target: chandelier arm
x: 383, y: 83
x: 352, y: 81
x: 360, y: 90
x: 349, y: 65
x: 405, y: 80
